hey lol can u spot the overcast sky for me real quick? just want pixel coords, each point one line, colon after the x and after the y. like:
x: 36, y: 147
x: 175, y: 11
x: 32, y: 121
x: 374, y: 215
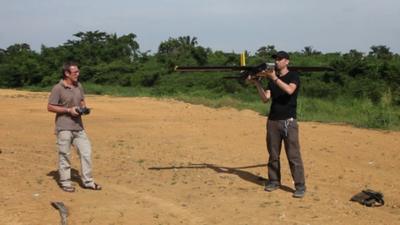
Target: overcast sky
x: 227, y: 25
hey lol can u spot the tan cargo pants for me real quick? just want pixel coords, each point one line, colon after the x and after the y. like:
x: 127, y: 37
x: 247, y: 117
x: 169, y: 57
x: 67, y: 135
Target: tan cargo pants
x: 81, y: 142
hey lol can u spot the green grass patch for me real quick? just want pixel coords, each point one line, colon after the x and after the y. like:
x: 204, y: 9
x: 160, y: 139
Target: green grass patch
x: 357, y: 112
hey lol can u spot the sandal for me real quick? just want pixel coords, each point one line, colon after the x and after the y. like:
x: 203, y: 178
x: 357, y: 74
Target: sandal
x: 95, y: 187
x: 68, y: 188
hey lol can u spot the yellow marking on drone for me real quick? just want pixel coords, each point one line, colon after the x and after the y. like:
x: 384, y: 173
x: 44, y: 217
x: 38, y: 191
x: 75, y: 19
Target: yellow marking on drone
x: 243, y: 58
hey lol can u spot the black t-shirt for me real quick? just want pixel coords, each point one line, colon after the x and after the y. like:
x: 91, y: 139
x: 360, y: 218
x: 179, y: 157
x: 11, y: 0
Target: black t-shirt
x: 283, y: 105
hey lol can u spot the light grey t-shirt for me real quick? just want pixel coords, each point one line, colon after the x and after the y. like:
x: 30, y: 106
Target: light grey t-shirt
x: 67, y: 97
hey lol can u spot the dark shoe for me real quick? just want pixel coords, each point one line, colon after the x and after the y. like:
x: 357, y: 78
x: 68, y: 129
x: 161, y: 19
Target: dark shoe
x: 94, y: 186
x: 271, y: 187
x: 68, y: 188
x: 299, y: 193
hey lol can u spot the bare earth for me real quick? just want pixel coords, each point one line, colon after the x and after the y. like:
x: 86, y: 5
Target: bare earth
x: 168, y: 162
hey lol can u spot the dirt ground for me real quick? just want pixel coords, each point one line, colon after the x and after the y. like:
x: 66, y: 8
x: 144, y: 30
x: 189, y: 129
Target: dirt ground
x: 168, y: 162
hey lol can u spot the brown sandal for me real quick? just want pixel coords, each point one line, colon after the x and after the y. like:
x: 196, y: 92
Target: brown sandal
x: 95, y: 187
x: 68, y: 188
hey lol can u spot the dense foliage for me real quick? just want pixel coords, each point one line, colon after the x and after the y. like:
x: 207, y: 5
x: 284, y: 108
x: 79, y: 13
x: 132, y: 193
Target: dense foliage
x: 107, y: 59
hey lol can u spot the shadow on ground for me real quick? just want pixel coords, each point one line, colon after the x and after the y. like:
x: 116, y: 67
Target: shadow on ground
x: 238, y: 171
x: 75, y: 177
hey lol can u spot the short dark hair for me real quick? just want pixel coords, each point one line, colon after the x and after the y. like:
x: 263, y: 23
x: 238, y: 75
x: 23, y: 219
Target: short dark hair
x: 66, y: 67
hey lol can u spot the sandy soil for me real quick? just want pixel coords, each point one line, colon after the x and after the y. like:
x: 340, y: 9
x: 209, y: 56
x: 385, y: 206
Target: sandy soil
x: 168, y: 162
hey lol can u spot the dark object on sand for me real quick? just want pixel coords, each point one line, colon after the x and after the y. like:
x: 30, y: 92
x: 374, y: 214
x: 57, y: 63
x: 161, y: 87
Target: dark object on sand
x: 63, y: 211
x: 369, y: 198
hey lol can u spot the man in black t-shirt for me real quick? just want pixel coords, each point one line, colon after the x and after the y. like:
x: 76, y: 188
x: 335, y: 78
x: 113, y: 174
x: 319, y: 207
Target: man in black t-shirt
x: 283, y: 89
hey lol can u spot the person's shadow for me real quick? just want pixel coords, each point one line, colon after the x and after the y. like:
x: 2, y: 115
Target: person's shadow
x: 245, y: 175
x: 75, y: 177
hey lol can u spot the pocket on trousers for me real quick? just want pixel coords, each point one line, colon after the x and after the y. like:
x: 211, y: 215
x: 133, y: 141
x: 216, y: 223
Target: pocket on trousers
x: 293, y: 124
x: 64, y: 139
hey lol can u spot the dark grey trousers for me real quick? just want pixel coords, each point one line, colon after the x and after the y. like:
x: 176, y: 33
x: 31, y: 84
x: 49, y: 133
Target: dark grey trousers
x: 288, y: 131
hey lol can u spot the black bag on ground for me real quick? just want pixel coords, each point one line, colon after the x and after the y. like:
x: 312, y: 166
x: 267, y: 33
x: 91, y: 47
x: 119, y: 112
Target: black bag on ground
x: 369, y: 198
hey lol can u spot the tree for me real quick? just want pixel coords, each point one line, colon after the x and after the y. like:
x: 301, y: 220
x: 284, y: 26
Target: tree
x: 19, y: 66
x: 2, y: 55
x: 99, y: 47
x: 308, y: 50
x: 380, y: 52
x: 181, y: 50
x: 266, y: 51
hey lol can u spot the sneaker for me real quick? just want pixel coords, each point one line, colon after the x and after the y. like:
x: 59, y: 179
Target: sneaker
x: 271, y: 187
x: 299, y: 193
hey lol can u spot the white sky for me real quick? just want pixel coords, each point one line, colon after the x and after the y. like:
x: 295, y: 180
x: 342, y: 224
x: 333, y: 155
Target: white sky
x: 227, y: 25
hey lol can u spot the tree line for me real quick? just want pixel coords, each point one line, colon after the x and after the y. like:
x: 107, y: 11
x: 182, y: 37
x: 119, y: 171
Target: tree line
x: 108, y: 59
